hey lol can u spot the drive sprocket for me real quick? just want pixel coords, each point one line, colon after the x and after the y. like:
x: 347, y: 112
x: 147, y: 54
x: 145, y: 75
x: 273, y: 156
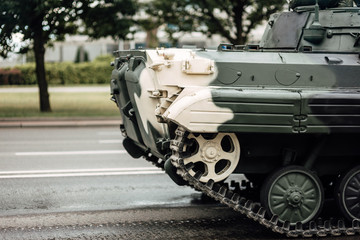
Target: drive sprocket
x: 216, y: 155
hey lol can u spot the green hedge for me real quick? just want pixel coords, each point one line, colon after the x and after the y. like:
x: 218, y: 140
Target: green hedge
x: 66, y: 73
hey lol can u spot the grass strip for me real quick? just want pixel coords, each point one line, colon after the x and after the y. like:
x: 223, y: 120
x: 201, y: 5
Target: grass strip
x: 63, y: 104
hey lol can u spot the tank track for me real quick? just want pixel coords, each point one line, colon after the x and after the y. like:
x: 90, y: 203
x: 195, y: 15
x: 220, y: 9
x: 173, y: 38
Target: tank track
x: 254, y: 210
x: 157, y: 162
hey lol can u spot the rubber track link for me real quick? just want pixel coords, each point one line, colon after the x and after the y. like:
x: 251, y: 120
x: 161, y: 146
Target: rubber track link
x: 254, y: 210
x: 157, y: 162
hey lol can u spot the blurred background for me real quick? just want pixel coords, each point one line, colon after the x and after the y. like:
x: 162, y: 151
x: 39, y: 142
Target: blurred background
x: 56, y: 54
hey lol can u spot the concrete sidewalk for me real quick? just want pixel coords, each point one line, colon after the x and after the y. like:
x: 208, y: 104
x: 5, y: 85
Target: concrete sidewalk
x: 58, y: 122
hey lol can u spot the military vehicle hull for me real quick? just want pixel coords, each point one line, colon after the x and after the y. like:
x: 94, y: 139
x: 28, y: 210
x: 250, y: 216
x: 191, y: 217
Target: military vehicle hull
x: 300, y: 100
x: 285, y: 113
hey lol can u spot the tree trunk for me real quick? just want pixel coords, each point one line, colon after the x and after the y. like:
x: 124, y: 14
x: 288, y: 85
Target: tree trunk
x: 151, y: 38
x: 39, y: 51
x: 238, y: 20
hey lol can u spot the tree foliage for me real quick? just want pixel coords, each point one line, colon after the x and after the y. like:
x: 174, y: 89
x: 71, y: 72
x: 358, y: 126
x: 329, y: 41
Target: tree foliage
x: 104, y: 18
x: 39, y: 22
x: 36, y: 19
x: 53, y: 19
x: 232, y: 19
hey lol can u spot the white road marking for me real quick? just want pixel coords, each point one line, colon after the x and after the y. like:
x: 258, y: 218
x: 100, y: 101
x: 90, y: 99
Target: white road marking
x: 48, y: 141
x: 79, y: 172
x: 114, y: 133
x: 70, y: 153
x: 110, y: 141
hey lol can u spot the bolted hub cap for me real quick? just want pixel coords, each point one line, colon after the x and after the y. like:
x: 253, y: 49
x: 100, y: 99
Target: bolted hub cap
x: 210, y: 152
x: 295, y: 197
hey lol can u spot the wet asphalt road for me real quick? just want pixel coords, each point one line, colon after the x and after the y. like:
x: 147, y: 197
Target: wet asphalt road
x: 78, y: 169
x: 78, y: 183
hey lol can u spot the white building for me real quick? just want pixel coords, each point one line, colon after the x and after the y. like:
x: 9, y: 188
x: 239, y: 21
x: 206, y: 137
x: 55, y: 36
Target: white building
x: 68, y: 50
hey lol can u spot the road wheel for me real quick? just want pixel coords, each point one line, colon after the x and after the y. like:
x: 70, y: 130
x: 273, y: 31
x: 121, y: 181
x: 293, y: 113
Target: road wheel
x: 294, y: 194
x: 348, y: 194
x: 215, y: 155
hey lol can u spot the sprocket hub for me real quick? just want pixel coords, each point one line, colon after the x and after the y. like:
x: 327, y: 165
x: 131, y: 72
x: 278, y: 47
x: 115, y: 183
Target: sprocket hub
x: 210, y: 152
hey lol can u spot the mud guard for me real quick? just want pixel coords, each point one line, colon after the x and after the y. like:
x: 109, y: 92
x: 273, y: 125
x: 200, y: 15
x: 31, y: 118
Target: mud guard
x: 132, y: 149
x: 236, y: 110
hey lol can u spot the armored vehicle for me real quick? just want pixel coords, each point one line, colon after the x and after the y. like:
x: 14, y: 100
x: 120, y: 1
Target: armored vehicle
x: 284, y: 113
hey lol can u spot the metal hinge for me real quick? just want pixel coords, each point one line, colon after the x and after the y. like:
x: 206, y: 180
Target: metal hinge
x: 300, y: 129
x: 157, y: 93
x: 300, y: 117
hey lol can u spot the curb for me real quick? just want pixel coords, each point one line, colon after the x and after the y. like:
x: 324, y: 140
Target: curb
x: 28, y: 123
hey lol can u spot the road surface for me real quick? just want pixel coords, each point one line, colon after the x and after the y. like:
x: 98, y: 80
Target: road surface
x: 78, y: 169
x: 78, y: 183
